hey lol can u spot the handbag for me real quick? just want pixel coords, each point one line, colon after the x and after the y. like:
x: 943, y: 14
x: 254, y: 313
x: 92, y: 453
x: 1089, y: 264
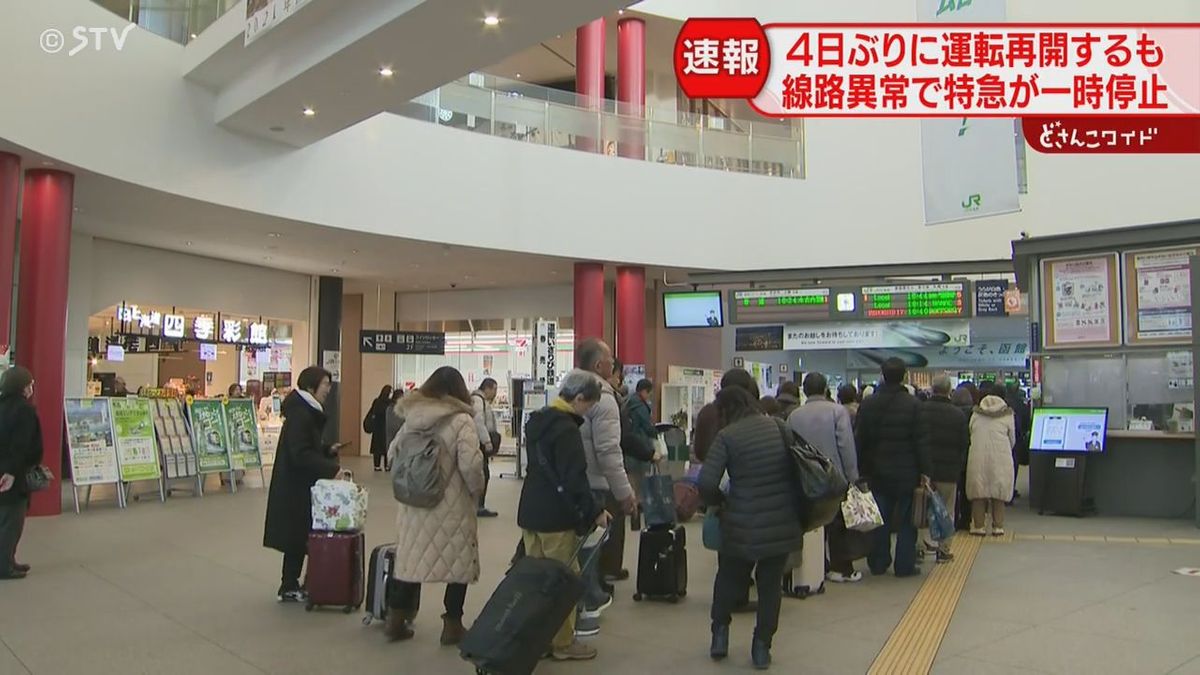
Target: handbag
x: 860, y: 511
x: 38, y: 478
x: 658, y: 498
x: 711, y: 534
x: 920, y: 507
x: 822, y: 487
x: 339, y: 505
x: 941, y: 527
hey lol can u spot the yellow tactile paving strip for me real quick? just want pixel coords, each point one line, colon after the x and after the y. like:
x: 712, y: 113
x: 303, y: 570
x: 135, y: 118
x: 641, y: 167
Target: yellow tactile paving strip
x: 1096, y: 539
x: 915, y: 642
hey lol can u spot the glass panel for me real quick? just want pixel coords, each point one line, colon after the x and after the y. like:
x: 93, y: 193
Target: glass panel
x: 674, y: 144
x: 1157, y: 394
x: 573, y: 128
x: 775, y: 156
x: 1086, y: 381
x: 464, y: 107
x: 520, y: 119
x: 726, y: 151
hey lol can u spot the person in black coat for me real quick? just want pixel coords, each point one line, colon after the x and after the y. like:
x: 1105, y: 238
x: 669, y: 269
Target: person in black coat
x: 949, y: 438
x: 375, y: 423
x: 760, y: 525
x: 893, y: 455
x: 20, y: 451
x: 300, y: 461
x: 557, y: 504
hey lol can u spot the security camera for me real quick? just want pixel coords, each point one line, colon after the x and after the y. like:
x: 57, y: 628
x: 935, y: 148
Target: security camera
x: 453, y: 285
x: 1024, y: 234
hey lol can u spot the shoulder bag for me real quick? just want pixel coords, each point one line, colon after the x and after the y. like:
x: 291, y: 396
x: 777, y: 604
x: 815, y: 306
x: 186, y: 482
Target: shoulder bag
x: 821, y: 486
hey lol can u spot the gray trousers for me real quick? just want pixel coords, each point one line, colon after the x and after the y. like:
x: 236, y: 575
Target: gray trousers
x: 12, y: 524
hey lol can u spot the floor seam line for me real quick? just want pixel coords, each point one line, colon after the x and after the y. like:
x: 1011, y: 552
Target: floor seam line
x: 12, y: 651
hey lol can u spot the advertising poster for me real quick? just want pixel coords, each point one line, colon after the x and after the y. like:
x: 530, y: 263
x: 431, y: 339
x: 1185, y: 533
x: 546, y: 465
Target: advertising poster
x: 263, y: 15
x: 210, y: 436
x: 243, y: 434
x: 90, y: 441
x: 1081, y: 301
x: 134, y: 428
x: 1159, y: 295
x: 874, y: 335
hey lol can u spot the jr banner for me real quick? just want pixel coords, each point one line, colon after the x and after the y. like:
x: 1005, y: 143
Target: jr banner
x: 969, y: 165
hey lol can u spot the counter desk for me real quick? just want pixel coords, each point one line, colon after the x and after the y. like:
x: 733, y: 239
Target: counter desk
x: 1140, y: 473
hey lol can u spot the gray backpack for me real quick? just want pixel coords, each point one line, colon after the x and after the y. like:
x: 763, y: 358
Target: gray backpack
x: 416, y: 474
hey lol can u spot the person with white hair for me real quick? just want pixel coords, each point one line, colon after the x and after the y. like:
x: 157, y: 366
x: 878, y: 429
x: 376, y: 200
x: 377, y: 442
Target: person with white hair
x: 946, y: 429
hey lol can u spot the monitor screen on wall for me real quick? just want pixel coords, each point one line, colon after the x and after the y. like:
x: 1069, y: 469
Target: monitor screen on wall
x: 1069, y: 429
x: 700, y: 309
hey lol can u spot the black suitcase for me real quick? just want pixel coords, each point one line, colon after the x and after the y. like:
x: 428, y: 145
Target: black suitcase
x: 515, y: 628
x: 662, y: 564
x: 379, y: 572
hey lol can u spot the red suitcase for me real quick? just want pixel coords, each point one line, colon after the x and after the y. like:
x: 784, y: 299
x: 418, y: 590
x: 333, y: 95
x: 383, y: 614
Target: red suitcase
x: 335, y: 570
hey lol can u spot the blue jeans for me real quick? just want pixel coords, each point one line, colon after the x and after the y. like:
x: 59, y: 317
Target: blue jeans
x: 897, y: 514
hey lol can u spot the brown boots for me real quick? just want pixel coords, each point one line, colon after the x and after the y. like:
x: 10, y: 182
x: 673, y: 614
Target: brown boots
x: 452, y: 630
x: 398, y: 626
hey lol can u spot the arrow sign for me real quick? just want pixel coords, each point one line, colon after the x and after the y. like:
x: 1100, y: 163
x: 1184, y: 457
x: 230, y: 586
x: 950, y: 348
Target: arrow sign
x: 401, y: 342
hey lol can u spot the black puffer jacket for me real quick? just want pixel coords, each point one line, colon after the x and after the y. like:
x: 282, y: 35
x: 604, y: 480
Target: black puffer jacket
x: 20, y: 445
x: 949, y: 438
x: 759, y: 518
x: 300, y: 461
x: 553, y: 434
x: 893, y: 450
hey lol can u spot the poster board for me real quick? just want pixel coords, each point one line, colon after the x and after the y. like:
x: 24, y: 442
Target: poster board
x: 133, y: 429
x: 210, y: 435
x: 1081, y: 301
x: 90, y: 441
x: 241, y: 420
x: 1158, y: 296
x: 174, y: 439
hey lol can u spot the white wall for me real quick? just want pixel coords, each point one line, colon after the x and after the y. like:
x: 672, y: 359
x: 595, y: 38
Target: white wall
x: 503, y: 303
x: 862, y: 202
x: 378, y: 370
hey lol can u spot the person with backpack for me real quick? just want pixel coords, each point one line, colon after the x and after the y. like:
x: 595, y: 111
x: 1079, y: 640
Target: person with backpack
x: 489, y: 436
x: 557, y: 504
x: 375, y: 424
x: 439, y: 470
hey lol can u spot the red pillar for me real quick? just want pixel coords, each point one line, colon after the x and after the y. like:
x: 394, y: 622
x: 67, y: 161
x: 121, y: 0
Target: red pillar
x: 42, y: 311
x: 589, y: 73
x: 631, y: 315
x: 589, y: 301
x: 631, y: 86
x: 10, y: 186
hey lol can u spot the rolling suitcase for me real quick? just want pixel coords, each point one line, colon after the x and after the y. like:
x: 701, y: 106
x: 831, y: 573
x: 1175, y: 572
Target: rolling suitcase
x: 515, y: 628
x: 379, y: 573
x: 808, y: 577
x: 335, y: 570
x: 662, y: 564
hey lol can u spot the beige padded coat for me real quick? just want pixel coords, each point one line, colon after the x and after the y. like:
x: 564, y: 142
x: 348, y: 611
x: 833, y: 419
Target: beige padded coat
x: 440, y: 545
x: 990, y: 459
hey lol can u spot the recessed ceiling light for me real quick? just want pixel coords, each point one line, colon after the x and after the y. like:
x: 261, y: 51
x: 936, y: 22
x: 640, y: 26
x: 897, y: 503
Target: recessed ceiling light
x: 277, y: 128
x: 491, y: 20
x: 620, y: 11
x: 518, y: 76
x: 266, y: 257
x: 309, y: 112
x: 187, y: 243
x: 334, y: 270
x: 386, y: 71
x: 193, y: 36
x: 354, y: 251
x: 274, y: 235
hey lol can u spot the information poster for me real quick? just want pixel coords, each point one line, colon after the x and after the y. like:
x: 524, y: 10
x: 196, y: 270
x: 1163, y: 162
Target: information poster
x: 90, y: 441
x: 134, y: 428
x: 210, y: 435
x: 875, y: 335
x: 243, y: 434
x: 1158, y: 292
x: 1081, y: 301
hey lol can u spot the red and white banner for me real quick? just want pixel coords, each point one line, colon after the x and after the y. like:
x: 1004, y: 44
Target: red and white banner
x: 942, y: 69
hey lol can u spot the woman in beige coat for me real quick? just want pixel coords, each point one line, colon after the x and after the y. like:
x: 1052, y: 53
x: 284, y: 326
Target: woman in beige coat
x: 439, y: 544
x: 989, y: 462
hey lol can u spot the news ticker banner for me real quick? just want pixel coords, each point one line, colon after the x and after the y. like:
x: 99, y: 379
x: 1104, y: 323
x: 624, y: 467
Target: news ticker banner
x: 1117, y: 87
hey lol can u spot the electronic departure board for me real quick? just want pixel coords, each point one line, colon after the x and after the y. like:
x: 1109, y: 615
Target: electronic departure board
x: 915, y: 301
x: 780, y: 305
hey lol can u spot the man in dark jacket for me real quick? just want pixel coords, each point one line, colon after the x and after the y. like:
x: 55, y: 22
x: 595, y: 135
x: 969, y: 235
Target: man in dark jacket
x: 946, y: 429
x: 893, y: 454
x: 300, y: 461
x: 557, y: 504
x: 20, y: 451
x: 637, y: 440
x: 789, y: 399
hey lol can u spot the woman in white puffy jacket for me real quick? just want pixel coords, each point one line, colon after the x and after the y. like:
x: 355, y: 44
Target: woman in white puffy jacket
x: 990, y: 472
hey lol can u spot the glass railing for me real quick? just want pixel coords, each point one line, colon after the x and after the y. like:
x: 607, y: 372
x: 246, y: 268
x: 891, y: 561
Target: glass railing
x: 177, y: 20
x: 533, y: 114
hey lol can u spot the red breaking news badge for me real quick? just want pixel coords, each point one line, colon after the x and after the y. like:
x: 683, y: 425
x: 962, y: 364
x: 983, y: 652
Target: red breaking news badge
x: 722, y: 58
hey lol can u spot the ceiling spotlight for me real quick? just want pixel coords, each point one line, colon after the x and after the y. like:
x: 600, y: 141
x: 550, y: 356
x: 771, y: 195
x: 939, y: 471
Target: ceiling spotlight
x: 491, y: 20
x: 620, y: 11
x: 309, y: 112
x: 386, y: 71
x: 194, y: 36
x: 334, y: 270
x: 518, y: 76
x: 187, y: 243
x: 354, y: 251
x: 274, y: 235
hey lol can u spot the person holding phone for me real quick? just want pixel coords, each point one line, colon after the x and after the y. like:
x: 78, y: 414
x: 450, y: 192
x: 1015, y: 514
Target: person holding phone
x: 300, y: 461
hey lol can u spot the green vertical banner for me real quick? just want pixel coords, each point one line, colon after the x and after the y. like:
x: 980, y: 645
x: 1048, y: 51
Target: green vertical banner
x: 242, y: 422
x: 136, y: 449
x: 210, y: 435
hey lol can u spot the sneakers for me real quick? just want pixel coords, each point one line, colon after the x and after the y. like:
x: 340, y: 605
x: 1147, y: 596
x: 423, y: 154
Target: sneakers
x: 997, y: 531
x: 930, y: 546
x: 587, y: 626
x: 978, y: 531
x: 576, y: 652
x: 292, y: 595
x: 839, y: 578
x: 595, y: 612
x: 944, y: 557
x: 484, y: 513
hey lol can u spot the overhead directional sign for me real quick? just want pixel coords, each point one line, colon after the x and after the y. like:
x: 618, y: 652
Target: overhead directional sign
x: 401, y: 342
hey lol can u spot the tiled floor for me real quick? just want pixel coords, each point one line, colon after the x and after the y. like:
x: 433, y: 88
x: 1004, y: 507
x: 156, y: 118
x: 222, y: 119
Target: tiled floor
x: 185, y: 587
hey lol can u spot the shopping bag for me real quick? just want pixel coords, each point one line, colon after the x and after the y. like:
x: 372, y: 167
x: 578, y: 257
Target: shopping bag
x: 941, y: 527
x: 860, y: 511
x: 687, y: 500
x: 920, y: 508
x: 711, y: 533
x: 658, y: 499
x: 339, y: 506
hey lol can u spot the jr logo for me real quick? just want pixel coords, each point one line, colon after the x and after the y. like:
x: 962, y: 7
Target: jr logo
x: 951, y: 6
x: 973, y: 202
x: 962, y: 131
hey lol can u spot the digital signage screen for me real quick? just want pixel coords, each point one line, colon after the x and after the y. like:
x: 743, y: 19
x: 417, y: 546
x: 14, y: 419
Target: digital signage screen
x: 780, y: 305
x: 700, y: 309
x: 915, y: 301
x: 1069, y: 429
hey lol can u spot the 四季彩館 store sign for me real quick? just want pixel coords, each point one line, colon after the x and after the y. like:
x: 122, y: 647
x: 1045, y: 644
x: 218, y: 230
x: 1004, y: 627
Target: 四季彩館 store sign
x: 179, y: 325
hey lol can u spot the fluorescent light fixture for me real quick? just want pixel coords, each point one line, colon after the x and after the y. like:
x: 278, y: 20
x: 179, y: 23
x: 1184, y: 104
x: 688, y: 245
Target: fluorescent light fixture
x: 491, y: 20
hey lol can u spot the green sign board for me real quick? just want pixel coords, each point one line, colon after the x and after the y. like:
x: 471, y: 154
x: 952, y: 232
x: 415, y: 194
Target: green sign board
x: 242, y: 421
x: 210, y: 436
x: 136, y: 449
